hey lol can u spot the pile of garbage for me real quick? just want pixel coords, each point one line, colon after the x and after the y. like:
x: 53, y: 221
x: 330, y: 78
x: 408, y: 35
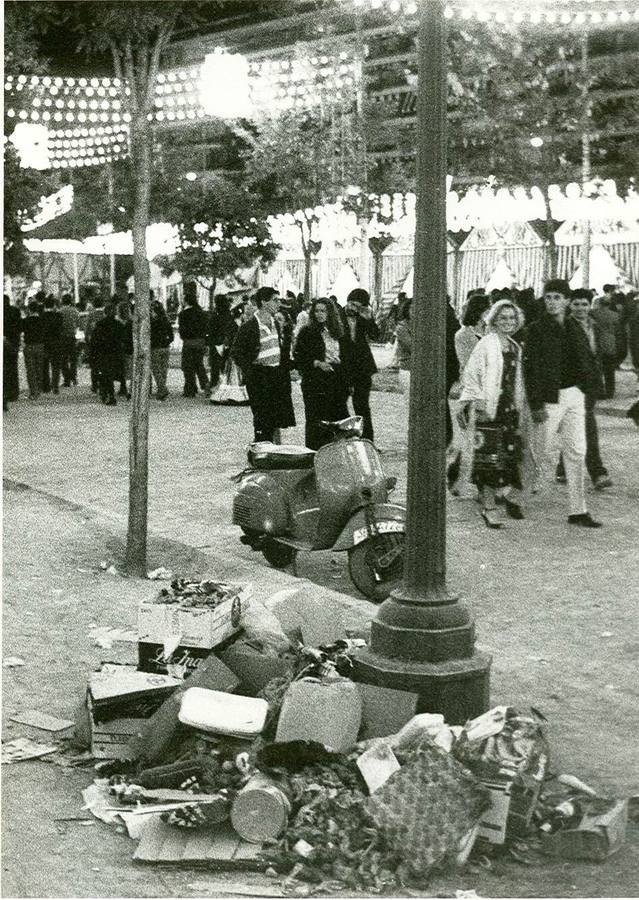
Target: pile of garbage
x: 232, y: 741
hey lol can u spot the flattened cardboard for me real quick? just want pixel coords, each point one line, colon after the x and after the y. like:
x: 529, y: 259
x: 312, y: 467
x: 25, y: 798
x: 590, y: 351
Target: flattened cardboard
x: 596, y: 837
x: 36, y: 719
x: 384, y: 710
x: 161, y: 843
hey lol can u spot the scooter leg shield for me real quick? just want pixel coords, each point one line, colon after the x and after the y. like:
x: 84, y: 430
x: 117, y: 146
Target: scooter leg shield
x: 260, y: 505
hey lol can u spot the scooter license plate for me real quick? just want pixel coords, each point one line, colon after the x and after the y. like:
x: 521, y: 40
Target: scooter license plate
x: 391, y: 527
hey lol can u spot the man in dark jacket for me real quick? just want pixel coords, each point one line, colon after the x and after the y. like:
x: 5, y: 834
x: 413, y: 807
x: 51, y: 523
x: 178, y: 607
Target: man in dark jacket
x: 52, y: 326
x: 559, y: 372
x: 580, y: 309
x: 193, y: 326
x: 11, y: 330
x: 106, y: 351
x: 359, y: 364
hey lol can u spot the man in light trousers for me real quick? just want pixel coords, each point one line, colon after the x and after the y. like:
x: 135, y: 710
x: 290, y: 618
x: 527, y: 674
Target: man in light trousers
x: 559, y: 371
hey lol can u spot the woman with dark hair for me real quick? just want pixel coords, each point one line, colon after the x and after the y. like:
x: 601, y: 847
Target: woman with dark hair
x: 218, y: 326
x: 318, y: 358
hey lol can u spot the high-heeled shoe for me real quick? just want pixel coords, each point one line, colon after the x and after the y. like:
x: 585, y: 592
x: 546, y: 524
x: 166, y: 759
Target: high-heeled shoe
x: 490, y: 518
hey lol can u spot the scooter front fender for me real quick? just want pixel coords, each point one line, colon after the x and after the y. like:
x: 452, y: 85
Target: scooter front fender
x: 389, y: 518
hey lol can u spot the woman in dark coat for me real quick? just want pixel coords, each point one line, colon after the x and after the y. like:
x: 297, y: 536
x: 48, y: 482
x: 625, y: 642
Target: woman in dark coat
x: 318, y: 357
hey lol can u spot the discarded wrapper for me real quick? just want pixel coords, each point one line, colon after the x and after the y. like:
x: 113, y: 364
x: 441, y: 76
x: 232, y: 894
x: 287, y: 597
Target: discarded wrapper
x: 377, y: 764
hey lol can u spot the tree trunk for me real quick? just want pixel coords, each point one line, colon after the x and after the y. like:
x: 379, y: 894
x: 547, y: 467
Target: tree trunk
x: 378, y: 265
x: 141, y: 378
x: 552, y: 255
x: 308, y: 263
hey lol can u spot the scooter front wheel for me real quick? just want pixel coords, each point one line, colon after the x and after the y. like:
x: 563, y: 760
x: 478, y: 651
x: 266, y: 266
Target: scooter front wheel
x: 278, y: 555
x: 376, y: 565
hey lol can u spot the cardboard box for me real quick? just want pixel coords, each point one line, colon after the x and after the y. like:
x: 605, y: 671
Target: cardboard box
x: 109, y: 740
x: 121, y: 692
x: 119, y: 701
x: 202, y: 627
x: 254, y: 668
x: 598, y: 835
x: 152, y: 659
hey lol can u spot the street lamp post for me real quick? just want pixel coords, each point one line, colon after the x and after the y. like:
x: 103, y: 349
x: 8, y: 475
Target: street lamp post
x: 422, y: 639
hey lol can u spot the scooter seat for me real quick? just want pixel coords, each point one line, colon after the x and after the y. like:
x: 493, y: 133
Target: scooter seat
x: 265, y: 455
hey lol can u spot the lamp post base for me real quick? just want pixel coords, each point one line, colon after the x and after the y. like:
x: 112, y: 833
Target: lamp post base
x: 459, y: 689
x: 426, y: 645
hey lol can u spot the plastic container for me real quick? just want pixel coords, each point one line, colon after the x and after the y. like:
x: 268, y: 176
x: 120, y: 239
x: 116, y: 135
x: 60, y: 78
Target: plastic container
x: 260, y: 811
x: 329, y: 712
x: 222, y: 713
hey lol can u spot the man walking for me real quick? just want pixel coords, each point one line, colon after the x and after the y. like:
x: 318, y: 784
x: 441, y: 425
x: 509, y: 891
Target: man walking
x: 193, y: 326
x: 580, y: 306
x: 358, y: 362
x: 262, y: 351
x: 68, y: 356
x: 560, y: 370
x: 106, y: 350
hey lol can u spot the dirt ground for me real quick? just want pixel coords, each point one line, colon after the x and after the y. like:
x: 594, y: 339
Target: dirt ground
x: 557, y: 608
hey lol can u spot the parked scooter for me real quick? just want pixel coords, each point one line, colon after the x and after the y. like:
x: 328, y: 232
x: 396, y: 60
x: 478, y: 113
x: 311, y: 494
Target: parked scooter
x: 291, y: 498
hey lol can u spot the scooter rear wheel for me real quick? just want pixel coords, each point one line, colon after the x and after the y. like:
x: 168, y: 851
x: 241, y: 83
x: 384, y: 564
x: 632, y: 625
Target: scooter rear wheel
x: 376, y: 565
x: 278, y: 555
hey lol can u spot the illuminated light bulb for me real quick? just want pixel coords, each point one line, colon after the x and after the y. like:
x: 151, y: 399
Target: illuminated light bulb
x: 500, y: 18
x: 171, y: 76
x: 200, y: 113
x: 46, y: 116
x: 180, y: 114
x: 115, y: 116
x: 113, y: 92
x: 59, y: 104
x: 35, y: 115
x: 93, y: 104
x: 159, y: 115
x: 611, y: 17
x: 11, y: 113
x: 93, y: 117
x: 57, y: 117
x: 82, y: 117
x: 518, y: 17
x: 395, y: 6
x: 89, y: 92
x: 106, y: 82
x: 551, y: 18
x: 82, y: 104
x: 170, y: 115
x: 101, y: 92
x: 188, y: 86
x: 595, y: 17
x: 104, y: 104
x: 82, y: 82
x: 624, y: 16
x: 375, y: 4
x: 36, y: 101
x: 183, y: 75
x: 71, y: 104
x: 565, y: 18
x: 46, y: 81
x: 104, y: 117
x: 70, y: 117
x: 57, y: 81
x: 53, y: 90
x: 580, y: 19
x: 22, y: 79
x: 70, y: 82
x: 95, y: 82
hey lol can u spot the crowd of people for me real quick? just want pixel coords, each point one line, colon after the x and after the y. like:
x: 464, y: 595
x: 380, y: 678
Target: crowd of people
x: 521, y: 372
x: 530, y: 373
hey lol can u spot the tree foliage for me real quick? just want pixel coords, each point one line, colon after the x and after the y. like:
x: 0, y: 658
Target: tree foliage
x: 219, y: 229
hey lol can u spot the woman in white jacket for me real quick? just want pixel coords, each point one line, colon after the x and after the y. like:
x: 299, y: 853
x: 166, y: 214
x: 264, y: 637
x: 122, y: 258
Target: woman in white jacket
x: 492, y: 397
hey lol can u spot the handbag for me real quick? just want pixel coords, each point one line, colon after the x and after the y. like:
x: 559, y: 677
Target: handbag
x: 490, y: 453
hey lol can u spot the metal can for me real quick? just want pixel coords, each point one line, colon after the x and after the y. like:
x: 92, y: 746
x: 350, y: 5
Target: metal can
x: 260, y: 811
